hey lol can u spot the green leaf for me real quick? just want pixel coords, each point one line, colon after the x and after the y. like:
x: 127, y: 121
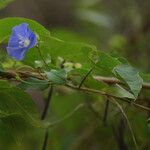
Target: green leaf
x: 18, y: 112
x: 33, y: 83
x: 57, y: 76
x: 107, y: 62
x: 14, y: 101
x: 121, y: 92
x: 16, y: 126
x: 126, y: 73
x: 131, y: 77
x: 4, y: 3
x: 69, y: 51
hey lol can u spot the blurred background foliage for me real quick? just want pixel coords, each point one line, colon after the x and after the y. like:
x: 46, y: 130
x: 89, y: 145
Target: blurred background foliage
x: 121, y: 27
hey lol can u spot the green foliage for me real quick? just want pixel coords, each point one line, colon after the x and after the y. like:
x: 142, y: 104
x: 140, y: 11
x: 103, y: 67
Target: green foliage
x: 33, y: 83
x: 131, y: 77
x: 57, y: 76
x: 17, y: 110
x: 16, y: 126
x: 124, y: 72
x: 122, y: 92
x: 16, y: 102
x: 60, y: 62
x: 77, y: 52
x: 106, y: 61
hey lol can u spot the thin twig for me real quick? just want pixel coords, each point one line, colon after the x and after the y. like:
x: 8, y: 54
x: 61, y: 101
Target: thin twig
x: 109, y: 95
x: 106, y: 112
x: 45, y: 140
x: 44, y: 115
x: 128, y: 122
x: 112, y: 80
x: 26, y: 74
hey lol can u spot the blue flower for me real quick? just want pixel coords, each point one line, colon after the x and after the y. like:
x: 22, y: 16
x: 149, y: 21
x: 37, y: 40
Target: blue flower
x: 21, y: 40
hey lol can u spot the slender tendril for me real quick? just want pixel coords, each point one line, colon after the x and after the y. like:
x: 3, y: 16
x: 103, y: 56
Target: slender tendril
x: 42, y: 56
x: 85, y: 77
x: 57, y: 122
x: 67, y: 116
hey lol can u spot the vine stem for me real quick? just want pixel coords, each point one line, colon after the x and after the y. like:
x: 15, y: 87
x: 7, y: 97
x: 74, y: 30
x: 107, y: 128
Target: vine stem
x: 44, y: 115
x: 128, y: 122
x: 11, y: 74
x: 106, y: 112
x: 109, y: 95
x: 45, y: 140
x: 47, y: 103
x: 26, y: 74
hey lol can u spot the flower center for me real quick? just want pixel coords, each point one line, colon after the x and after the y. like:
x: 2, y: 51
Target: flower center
x: 24, y: 42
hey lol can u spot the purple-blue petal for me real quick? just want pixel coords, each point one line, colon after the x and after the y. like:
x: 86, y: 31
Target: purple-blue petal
x: 33, y: 40
x: 21, y: 29
x: 17, y: 54
x: 14, y: 40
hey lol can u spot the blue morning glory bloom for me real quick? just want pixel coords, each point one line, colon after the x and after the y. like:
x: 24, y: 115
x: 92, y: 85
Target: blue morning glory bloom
x: 21, y: 40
